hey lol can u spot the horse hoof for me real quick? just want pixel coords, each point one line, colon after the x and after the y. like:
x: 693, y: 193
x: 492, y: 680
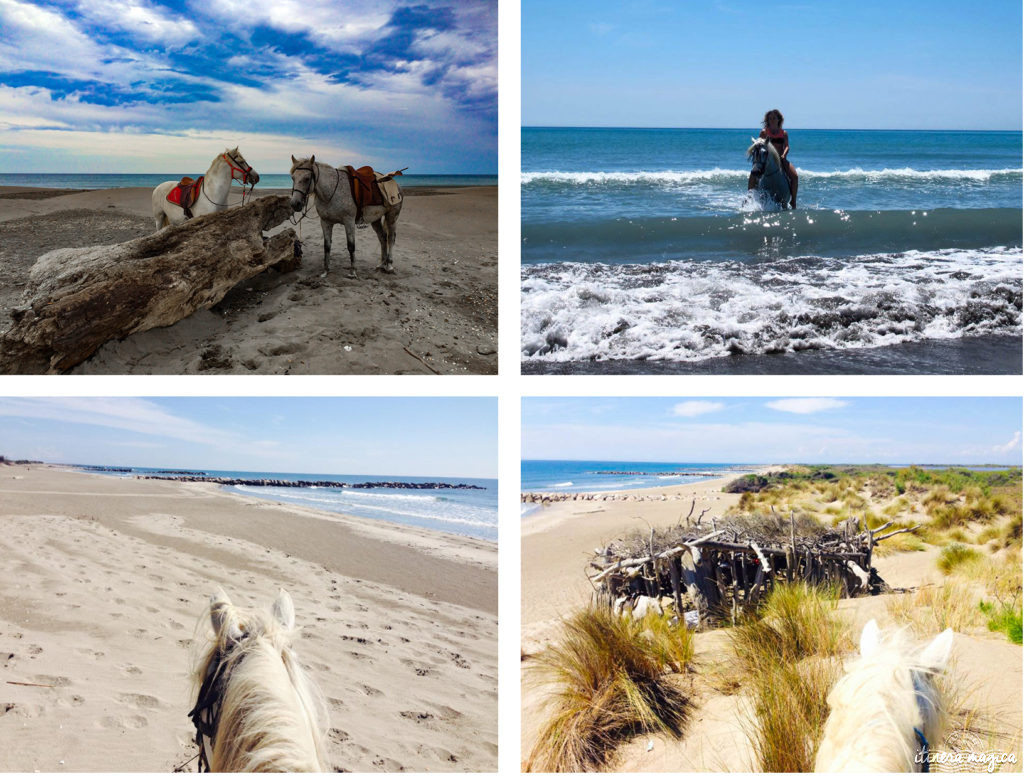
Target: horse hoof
x: 323, y: 275
x: 351, y: 274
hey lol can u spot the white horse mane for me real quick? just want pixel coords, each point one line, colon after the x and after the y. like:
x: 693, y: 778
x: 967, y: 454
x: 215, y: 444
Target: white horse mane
x: 271, y: 716
x: 887, y: 693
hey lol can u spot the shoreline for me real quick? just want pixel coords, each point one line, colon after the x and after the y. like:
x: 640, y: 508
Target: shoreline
x: 450, y: 551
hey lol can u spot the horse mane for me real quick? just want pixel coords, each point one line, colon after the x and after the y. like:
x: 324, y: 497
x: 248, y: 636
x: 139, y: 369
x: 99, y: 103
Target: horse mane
x: 876, y: 706
x: 272, y: 716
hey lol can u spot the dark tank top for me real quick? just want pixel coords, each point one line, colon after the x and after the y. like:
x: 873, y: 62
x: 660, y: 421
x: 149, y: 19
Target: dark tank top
x: 778, y: 141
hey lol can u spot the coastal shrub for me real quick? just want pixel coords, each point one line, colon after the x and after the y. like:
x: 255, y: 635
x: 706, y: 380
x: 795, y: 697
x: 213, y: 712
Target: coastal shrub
x: 904, y: 542
x: 789, y: 658
x: 607, y: 679
x: 1004, y: 618
x: 956, y: 556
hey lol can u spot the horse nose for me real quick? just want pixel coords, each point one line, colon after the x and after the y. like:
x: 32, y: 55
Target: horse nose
x: 255, y: 177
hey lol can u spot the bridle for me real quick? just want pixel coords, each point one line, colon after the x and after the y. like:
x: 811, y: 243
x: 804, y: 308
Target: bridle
x: 237, y: 166
x: 923, y: 743
x: 205, y: 715
x: 314, y: 182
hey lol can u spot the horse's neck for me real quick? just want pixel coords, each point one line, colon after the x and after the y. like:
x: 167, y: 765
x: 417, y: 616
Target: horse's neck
x: 218, y: 180
x: 266, y: 722
x: 328, y: 180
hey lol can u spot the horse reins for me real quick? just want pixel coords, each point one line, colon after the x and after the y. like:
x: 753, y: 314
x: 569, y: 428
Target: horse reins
x: 924, y: 751
x: 208, y: 703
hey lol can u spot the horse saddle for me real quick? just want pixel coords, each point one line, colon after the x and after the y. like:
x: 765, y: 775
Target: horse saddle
x: 186, y: 193
x: 370, y: 188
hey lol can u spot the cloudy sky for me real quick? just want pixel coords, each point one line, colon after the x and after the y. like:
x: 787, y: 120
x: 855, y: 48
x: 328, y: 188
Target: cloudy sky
x: 454, y: 437
x: 775, y: 430
x: 146, y: 86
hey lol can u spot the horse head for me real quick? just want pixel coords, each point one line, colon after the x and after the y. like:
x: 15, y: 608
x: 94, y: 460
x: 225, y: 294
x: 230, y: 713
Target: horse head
x: 304, y: 175
x: 240, y: 169
x: 256, y: 709
x: 758, y: 155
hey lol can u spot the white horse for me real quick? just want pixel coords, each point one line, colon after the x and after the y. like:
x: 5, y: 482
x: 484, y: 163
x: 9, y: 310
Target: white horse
x: 213, y: 192
x: 887, y: 709
x: 256, y: 708
x: 333, y: 190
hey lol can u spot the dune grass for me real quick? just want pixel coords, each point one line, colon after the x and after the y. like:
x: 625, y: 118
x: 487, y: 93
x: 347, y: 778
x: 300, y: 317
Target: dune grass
x: 1004, y: 618
x: 607, y: 679
x: 789, y: 656
x: 956, y: 556
x: 932, y: 609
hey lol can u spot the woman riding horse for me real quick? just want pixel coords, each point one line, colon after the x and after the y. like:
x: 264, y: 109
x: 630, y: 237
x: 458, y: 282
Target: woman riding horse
x: 779, y: 138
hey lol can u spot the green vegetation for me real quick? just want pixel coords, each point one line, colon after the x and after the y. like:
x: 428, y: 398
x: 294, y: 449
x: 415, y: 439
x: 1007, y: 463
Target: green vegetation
x: 607, y: 680
x: 957, y: 556
x: 1004, y: 618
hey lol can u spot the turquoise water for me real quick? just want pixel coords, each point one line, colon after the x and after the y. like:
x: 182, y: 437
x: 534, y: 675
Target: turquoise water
x: 465, y: 512
x: 607, y: 475
x: 267, y: 180
x: 642, y: 245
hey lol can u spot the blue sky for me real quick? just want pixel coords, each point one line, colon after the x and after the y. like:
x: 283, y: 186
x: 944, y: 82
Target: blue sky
x: 870, y: 64
x: 454, y: 437
x: 774, y: 430
x: 132, y: 86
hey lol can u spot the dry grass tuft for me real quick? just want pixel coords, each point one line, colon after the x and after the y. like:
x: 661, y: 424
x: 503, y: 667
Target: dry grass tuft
x: 956, y: 556
x: 790, y: 660
x: 608, y: 677
x: 934, y: 608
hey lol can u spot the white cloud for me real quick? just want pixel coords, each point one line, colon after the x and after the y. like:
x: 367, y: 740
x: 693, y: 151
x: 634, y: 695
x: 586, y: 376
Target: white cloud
x: 144, y: 20
x: 693, y: 408
x: 1013, y: 445
x: 133, y: 414
x: 806, y: 405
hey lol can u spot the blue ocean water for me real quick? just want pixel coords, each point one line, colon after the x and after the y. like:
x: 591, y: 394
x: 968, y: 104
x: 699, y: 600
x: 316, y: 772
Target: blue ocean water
x: 465, y: 512
x: 644, y: 244
x: 607, y: 475
x: 267, y: 180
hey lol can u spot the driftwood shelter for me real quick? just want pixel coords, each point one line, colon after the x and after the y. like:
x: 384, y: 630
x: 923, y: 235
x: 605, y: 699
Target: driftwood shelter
x: 720, y: 567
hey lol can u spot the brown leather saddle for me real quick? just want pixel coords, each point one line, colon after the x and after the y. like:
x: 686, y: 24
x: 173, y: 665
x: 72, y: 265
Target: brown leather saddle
x: 186, y: 193
x: 366, y: 188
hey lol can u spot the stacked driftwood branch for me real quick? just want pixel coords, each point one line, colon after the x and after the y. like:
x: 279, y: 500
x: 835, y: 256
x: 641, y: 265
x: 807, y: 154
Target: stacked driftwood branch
x: 721, y: 567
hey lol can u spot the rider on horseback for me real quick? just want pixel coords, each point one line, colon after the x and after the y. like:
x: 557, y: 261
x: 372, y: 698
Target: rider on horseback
x: 779, y: 138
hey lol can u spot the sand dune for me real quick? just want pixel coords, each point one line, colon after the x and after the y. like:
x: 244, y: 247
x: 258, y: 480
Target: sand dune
x: 103, y: 586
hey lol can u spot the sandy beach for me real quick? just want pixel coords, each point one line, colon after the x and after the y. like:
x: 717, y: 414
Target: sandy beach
x: 105, y: 580
x: 437, y: 313
x: 557, y: 542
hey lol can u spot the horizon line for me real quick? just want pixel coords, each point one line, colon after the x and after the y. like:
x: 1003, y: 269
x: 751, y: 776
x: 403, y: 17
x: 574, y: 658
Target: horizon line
x: 740, y: 462
x: 746, y: 129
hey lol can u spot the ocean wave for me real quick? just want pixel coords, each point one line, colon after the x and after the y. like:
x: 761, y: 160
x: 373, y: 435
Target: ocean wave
x: 683, y: 177
x: 694, y: 310
x: 563, y: 484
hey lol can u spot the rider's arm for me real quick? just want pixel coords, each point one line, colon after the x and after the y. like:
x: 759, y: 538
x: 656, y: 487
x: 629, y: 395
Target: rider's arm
x: 785, y: 150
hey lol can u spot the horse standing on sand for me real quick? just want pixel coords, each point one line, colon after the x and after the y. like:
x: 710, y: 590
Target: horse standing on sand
x: 772, y: 182
x: 887, y: 708
x: 257, y: 710
x: 335, y: 203
x: 207, y: 194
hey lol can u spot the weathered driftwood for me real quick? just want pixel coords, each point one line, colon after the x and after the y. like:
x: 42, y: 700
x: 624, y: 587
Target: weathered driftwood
x: 721, y: 573
x: 78, y: 299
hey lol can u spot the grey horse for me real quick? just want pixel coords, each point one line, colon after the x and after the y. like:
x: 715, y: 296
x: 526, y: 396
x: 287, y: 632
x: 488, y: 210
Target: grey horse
x: 334, y: 204
x: 772, y: 183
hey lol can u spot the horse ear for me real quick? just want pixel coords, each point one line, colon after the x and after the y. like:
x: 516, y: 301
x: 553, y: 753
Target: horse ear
x: 294, y: 160
x: 869, y: 639
x: 219, y: 605
x: 284, y: 610
x: 312, y: 159
x: 936, y: 654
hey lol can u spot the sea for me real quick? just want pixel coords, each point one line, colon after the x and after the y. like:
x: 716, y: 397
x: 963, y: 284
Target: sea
x: 574, y: 476
x: 471, y: 513
x: 267, y: 180
x: 643, y: 252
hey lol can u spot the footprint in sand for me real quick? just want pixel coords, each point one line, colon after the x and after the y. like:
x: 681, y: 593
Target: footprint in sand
x: 35, y: 650
x: 7, y: 658
x: 371, y: 691
x: 131, y: 670
x: 129, y: 721
x: 52, y: 681
x: 139, y: 701
x: 338, y: 736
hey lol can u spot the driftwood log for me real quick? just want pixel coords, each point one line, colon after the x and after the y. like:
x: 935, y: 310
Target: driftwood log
x: 78, y: 299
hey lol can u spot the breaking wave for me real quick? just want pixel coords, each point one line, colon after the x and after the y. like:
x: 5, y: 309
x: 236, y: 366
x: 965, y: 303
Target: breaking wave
x: 688, y: 310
